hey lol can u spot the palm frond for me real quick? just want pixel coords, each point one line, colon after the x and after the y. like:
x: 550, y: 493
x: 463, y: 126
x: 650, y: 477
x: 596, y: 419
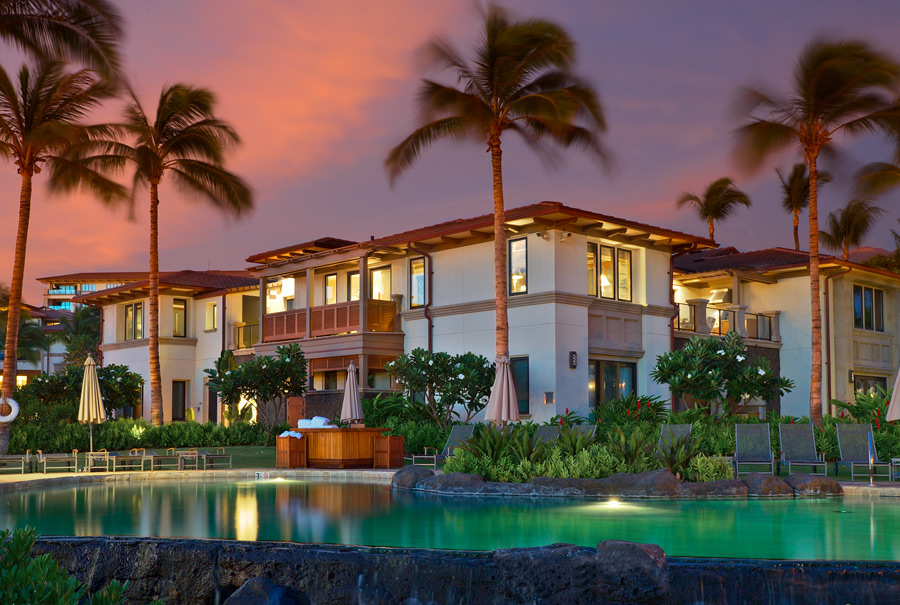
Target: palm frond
x: 758, y: 139
x: 877, y: 178
x: 204, y: 180
x: 403, y: 155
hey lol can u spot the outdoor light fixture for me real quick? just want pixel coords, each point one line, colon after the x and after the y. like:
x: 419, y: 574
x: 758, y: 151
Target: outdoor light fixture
x: 548, y: 397
x: 573, y: 360
x: 564, y: 236
x: 543, y: 235
x: 851, y: 376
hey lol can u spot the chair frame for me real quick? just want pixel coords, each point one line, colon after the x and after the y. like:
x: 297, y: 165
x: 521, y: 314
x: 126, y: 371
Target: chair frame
x: 448, y: 449
x: 8, y: 462
x: 739, y: 460
x: 210, y: 460
x: 876, y: 463
x: 68, y: 460
x: 820, y: 456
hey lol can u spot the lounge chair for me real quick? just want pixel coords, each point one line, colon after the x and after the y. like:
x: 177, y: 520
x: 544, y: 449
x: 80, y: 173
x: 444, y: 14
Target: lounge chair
x: 169, y: 460
x: 458, y: 435
x: 218, y: 460
x: 127, y: 462
x: 671, y: 433
x: 547, y: 433
x: 97, y: 461
x: 853, y: 444
x: 798, y: 447
x: 59, y: 461
x: 753, y: 447
x: 15, y: 462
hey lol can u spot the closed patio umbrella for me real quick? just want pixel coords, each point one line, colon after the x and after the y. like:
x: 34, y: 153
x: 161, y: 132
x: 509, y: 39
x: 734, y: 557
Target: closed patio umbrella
x: 503, y: 405
x: 351, y: 410
x: 893, y: 412
x: 90, y: 408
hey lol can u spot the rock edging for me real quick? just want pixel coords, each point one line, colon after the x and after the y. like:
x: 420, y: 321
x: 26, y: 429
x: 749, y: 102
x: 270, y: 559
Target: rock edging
x: 660, y: 483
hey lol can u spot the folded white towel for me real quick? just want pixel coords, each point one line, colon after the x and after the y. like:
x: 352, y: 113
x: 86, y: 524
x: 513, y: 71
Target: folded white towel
x: 318, y: 422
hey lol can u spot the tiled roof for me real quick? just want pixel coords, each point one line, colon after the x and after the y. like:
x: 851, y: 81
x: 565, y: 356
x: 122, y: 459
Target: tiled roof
x: 317, y: 245
x: 98, y: 276
x: 731, y: 258
x: 202, y: 281
x: 47, y: 312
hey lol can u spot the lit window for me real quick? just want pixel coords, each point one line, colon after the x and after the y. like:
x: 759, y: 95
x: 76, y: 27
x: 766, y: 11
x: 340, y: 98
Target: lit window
x: 592, y: 269
x: 353, y: 286
x: 518, y: 266
x: 179, y: 318
x: 624, y: 274
x: 607, y: 272
x: 615, y: 273
x: 88, y: 287
x: 288, y: 303
x: 868, y: 308
x: 134, y: 321
x: 212, y: 317
x: 416, y: 282
x: 380, y: 283
x: 331, y: 289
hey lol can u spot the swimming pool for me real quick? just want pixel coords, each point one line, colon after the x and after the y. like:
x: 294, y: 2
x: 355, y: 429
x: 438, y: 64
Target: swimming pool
x: 331, y: 512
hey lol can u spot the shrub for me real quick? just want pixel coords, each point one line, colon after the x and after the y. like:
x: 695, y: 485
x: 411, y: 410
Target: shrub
x: 595, y: 462
x: 868, y: 407
x: 489, y: 441
x: 704, y: 468
x: 418, y: 435
x: 634, y: 450
x: 571, y: 441
x: 631, y: 409
x: 676, y: 454
x: 525, y: 446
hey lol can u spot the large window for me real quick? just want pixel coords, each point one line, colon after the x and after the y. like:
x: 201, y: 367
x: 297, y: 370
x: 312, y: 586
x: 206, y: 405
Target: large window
x: 614, y: 270
x: 519, y: 368
x: 179, y: 396
x: 212, y: 316
x: 518, y: 266
x: 179, y: 317
x: 867, y: 384
x: 416, y: 282
x: 331, y: 289
x: 380, y: 283
x: 134, y: 321
x: 611, y: 380
x: 868, y: 308
x: 353, y: 286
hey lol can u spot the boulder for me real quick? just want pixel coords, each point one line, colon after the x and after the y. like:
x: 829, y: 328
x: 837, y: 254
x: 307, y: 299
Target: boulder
x: 259, y: 591
x: 761, y: 484
x: 408, y: 476
x: 660, y: 483
x: 804, y: 484
x: 453, y: 483
x: 631, y: 572
x: 555, y: 486
x: 493, y: 488
x: 726, y: 488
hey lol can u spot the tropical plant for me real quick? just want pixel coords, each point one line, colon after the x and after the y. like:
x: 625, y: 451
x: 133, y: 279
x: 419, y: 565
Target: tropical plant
x: 185, y: 141
x: 521, y: 80
x: 237, y: 413
x: 839, y: 87
x: 40, y: 117
x: 719, y: 201
x: 848, y: 226
x: 32, y: 339
x: 567, y: 419
x: 570, y: 440
x: 80, y: 335
x: 634, y: 450
x: 119, y: 387
x: 716, y: 373
x: 675, y: 453
x: 890, y: 261
x: 524, y: 445
x: 268, y: 382
x: 631, y: 408
x: 488, y: 441
x: 82, y: 30
x: 703, y: 468
x: 222, y: 381
x: 795, y: 189
x: 867, y: 406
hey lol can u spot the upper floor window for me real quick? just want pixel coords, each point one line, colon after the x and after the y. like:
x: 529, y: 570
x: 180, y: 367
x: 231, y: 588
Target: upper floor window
x: 179, y: 317
x: 134, y: 321
x: 518, y: 266
x: 615, y: 273
x: 212, y: 316
x: 380, y: 283
x: 353, y: 286
x: 592, y: 269
x: 88, y: 287
x: 331, y: 289
x: 519, y: 368
x: 868, y: 308
x: 416, y: 282
x: 288, y: 303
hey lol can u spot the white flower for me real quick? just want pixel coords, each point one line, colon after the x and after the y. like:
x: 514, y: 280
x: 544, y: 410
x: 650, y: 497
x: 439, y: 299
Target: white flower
x: 287, y: 360
x: 710, y: 372
x: 461, y: 376
x: 431, y: 362
x: 689, y: 375
x: 119, y: 379
x: 761, y: 372
x: 720, y: 352
x: 228, y: 372
x: 740, y: 358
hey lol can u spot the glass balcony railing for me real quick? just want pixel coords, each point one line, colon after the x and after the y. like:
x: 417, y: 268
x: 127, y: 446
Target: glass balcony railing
x: 246, y: 336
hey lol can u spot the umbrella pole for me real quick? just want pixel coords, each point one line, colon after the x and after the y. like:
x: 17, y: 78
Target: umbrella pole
x: 91, y: 429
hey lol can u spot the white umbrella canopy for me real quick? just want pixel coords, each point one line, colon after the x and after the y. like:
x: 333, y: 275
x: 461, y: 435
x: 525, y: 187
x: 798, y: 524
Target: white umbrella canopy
x: 893, y: 412
x: 351, y: 410
x: 90, y: 408
x: 503, y: 405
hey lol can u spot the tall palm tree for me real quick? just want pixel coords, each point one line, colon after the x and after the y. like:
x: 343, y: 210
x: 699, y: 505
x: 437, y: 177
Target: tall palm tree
x: 796, y: 194
x: 520, y: 80
x: 719, y: 201
x: 839, y: 87
x: 848, y: 226
x: 86, y: 31
x: 80, y: 334
x: 40, y: 117
x: 32, y: 339
x: 185, y: 141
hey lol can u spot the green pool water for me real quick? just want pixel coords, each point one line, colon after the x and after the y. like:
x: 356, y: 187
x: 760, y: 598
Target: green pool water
x: 373, y: 515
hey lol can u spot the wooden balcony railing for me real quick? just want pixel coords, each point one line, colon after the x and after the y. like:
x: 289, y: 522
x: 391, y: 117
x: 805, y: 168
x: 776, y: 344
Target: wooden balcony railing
x: 329, y: 320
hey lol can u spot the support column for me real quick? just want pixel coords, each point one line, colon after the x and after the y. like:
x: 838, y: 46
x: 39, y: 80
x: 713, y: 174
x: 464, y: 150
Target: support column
x: 363, y: 372
x: 263, y: 297
x: 739, y: 316
x: 699, y: 307
x: 309, y: 298
x: 363, y: 294
x: 774, y: 324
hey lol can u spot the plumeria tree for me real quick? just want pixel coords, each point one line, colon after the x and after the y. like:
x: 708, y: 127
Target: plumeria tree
x: 717, y: 374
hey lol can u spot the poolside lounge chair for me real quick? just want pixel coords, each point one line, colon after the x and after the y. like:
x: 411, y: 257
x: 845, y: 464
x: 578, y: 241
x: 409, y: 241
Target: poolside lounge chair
x: 132, y: 461
x: 671, y: 433
x: 15, y: 462
x: 218, y: 460
x: 97, y: 461
x: 853, y: 444
x: 753, y: 447
x: 169, y: 460
x: 59, y: 461
x: 458, y: 435
x: 798, y: 448
x: 547, y: 433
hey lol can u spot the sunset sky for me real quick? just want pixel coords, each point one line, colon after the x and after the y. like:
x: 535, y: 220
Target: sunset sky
x: 320, y: 92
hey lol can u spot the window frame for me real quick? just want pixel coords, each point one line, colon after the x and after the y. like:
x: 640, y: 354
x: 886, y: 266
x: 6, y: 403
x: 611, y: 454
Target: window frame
x: 527, y: 387
x: 871, y: 319
x: 371, y: 284
x: 325, y: 298
x: 350, y: 276
x: 424, y: 301
x: 137, y: 311
x: 212, y: 312
x: 593, y: 248
x: 615, y: 267
x: 174, y: 317
x: 630, y: 274
x: 509, y: 258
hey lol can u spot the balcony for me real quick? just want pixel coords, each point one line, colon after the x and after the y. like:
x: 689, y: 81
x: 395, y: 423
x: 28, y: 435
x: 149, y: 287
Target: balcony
x: 246, y: 336
x: 329, y: 320
x: 61, y: 290
x: 694, y: 316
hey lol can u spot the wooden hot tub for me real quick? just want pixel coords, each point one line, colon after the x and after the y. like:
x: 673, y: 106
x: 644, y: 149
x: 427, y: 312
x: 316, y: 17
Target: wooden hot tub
x: 340, y: 448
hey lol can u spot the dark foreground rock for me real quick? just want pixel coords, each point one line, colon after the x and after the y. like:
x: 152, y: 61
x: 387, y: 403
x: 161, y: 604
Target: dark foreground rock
x: 211, y: 571
x: 763, y: 485
x: 260, y: 591
x: 726, y: 488
x: 409, y: 476
x: 452, y: 483
x: 813, y: 485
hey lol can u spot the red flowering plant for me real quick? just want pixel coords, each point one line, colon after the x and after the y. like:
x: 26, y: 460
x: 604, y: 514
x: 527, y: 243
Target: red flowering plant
x: 868, y: 407
x: 631, y: 409
x: 569, y: 419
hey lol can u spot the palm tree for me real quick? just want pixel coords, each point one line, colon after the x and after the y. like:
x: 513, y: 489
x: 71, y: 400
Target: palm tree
x: 82, y: 30
x: 849, y: 225
x: 187, y: 142
x: 40, y: 116
x: 521, y: 80
x: 80, y: 334
x: 719, y: 201
x: 839, y: 87
x: 30, y: 336
x: 796, y: 194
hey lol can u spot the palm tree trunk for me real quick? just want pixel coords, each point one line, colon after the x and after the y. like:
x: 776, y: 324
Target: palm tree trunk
x: 797, y: 230
x: 11, y: 348
x: 846, y: 248
x: 712, y: 229
x: 155, y: 377
x: 815, y: 381
x: 500, y: 263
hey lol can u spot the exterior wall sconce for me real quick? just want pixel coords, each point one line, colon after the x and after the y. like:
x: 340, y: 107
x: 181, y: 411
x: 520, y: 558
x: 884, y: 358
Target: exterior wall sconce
x: 543, y: 235
x: 851, y: 376
x: 564, y: 236
x: 548, y: 397
x: 573, y: 360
